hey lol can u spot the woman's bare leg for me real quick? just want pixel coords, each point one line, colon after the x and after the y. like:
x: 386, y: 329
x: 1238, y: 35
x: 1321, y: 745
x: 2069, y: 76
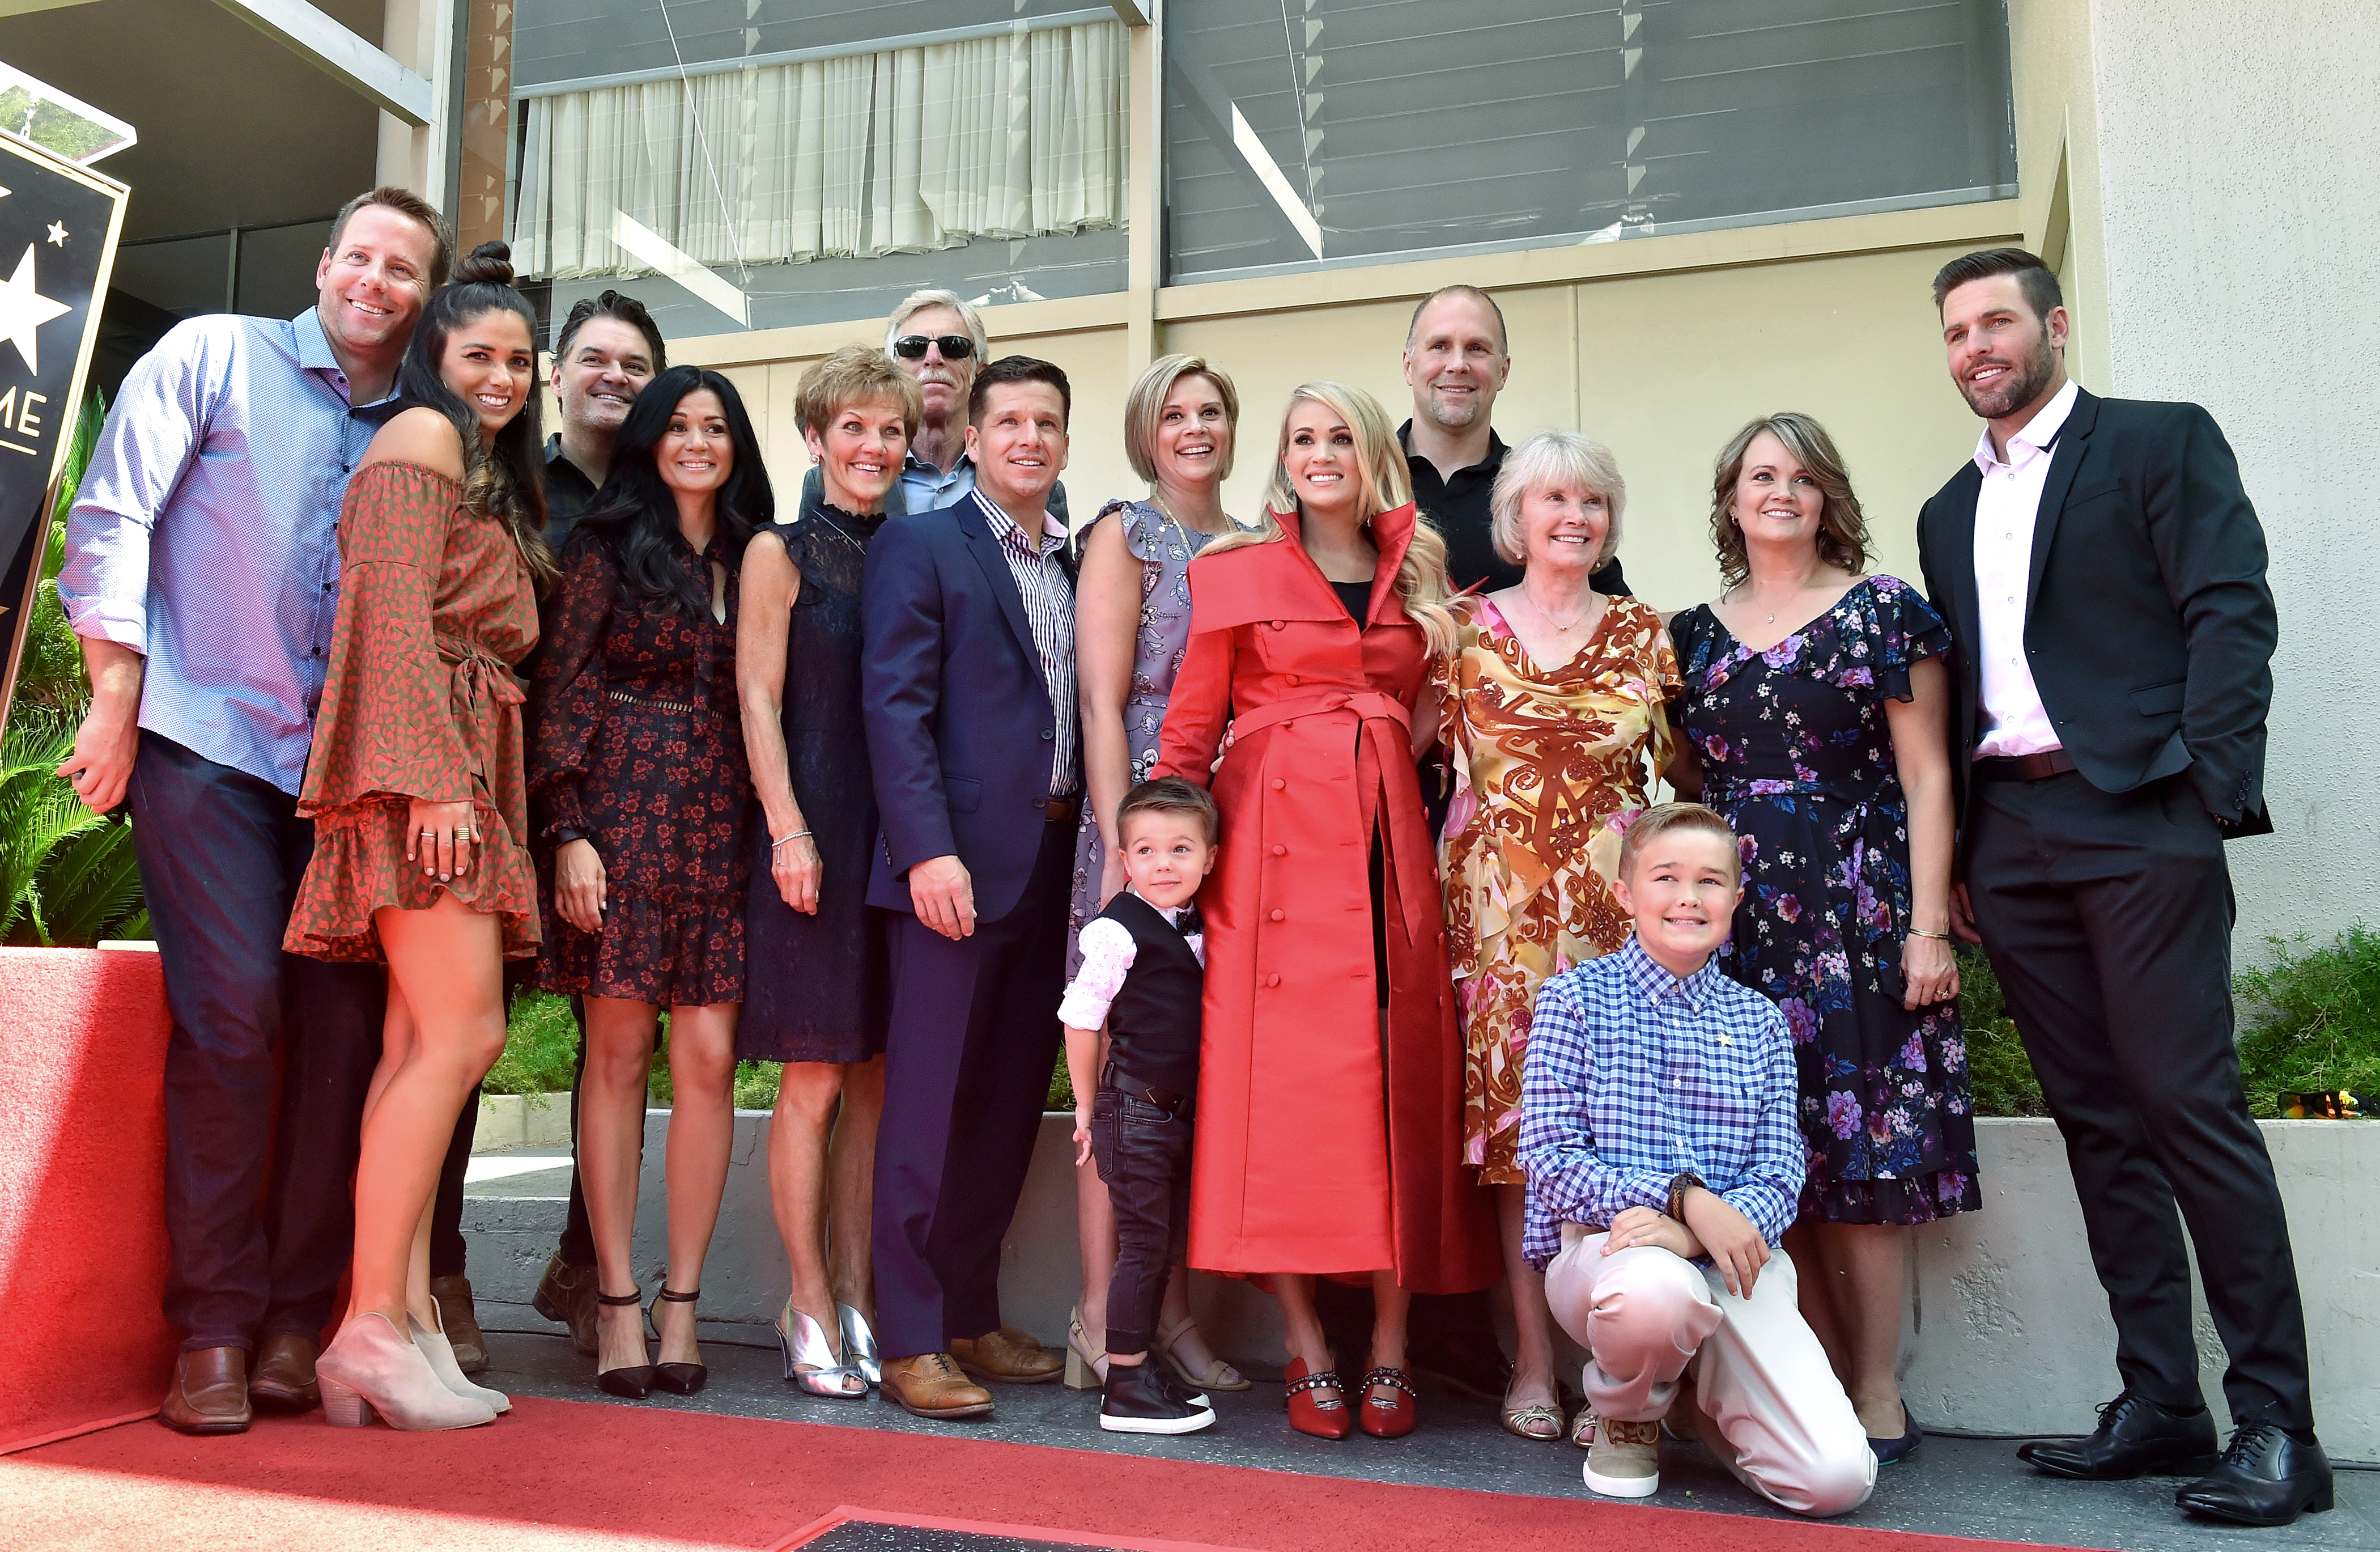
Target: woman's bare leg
x: 807, y: 1095
x: 1095, y: 1242
x: 1533, y: 1319
x: 701, y: 1137
x: 1867, y: 1264
x: 851, y: 1187
x: 1821, y: 1297
x: 610, y: 1139
x: 1302, y: 1329
x: 446, y: 970
x: 1391, y: 1306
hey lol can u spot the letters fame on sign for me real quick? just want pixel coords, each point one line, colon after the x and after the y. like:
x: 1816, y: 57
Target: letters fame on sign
x: 58, y: 229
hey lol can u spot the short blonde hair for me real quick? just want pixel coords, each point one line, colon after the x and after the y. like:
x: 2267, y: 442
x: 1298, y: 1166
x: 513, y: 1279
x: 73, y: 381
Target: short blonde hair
x: 1145, y: 404
x: 917, y: 301
x: 1553, y: 458
x: 855, y: 374
x: 1843, y: 530
x: 1657, y: 821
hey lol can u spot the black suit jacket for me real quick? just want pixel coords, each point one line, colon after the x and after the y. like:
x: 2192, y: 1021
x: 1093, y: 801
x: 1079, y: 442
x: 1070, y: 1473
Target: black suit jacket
x: 958, y: 717
x: 2148, y: 625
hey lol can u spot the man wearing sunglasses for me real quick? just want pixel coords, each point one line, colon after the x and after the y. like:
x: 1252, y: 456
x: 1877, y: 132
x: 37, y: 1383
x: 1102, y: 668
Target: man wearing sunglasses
x: 939, y: 340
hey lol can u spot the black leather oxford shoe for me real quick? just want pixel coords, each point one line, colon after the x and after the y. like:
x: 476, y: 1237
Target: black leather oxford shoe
x: 2265, y: 1477
x: 2135, y: 1437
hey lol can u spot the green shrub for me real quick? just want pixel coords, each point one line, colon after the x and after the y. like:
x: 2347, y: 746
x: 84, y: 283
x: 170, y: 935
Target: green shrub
x: 540, y: 1048
x: 1997, y: 1065
x: 2313, y: 1020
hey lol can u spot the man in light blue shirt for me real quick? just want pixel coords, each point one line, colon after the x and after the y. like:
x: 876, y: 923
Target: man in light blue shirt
x: 202, y: 576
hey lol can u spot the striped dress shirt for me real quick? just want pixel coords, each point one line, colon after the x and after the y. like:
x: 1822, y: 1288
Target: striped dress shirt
x: 1633, y: 1076
x: 206, y: 534
x: 1049, y: 596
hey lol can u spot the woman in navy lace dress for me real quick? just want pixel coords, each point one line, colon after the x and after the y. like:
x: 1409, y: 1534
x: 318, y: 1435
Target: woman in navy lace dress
x: 1814, y: 705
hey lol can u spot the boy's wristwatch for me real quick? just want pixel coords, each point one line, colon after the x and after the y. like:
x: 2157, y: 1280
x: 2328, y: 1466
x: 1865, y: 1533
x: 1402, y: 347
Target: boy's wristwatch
x: 1676, y: 1206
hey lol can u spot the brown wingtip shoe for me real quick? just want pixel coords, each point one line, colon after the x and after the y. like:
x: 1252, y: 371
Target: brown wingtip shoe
x: 566, y: 1293
x: 462, y: 1322
x: 210, y: 1392
x: 1007, y: 1357
x: 930, y: 1386
x: 283, y: 1379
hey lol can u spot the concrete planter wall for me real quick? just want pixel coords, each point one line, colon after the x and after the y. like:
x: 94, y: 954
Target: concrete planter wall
x: 514, y: 1120
x: 2008, y: 1330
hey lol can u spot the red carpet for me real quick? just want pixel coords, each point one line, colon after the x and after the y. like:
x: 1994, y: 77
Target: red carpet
x: 575, y: 1475
x: 82, y: 1150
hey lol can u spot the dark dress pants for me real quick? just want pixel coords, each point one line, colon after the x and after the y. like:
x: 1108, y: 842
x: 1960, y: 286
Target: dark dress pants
x: 221, y: 855
x: 2108, y: 917
x: 974, y: 1039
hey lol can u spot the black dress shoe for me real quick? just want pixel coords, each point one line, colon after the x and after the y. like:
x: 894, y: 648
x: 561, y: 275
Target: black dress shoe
x: 2266, y: 1477
x: 2136, y: 1437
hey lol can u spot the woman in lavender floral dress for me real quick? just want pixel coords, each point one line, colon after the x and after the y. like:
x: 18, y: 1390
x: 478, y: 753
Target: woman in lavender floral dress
x: 1814, y: 705
x: 1131, y: 623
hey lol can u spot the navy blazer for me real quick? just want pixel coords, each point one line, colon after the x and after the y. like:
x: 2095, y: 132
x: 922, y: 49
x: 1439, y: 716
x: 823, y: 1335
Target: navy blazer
x: 958, y: 717
x: 2148, y: 622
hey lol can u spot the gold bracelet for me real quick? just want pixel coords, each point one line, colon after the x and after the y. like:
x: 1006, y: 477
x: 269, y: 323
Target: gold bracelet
x: 1920, y: 932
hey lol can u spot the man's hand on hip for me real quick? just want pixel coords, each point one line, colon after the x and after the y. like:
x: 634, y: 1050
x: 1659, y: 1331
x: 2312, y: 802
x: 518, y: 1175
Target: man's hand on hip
x: 943, y: 897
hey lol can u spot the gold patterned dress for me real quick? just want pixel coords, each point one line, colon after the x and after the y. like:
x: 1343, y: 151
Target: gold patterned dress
x: 1549, y: 764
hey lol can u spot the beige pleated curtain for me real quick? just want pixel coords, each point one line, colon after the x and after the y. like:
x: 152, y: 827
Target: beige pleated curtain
x: 894, y: 151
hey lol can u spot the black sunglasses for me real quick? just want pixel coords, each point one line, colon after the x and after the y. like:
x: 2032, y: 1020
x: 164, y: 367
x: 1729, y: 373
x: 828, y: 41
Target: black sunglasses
x: 912, y: 347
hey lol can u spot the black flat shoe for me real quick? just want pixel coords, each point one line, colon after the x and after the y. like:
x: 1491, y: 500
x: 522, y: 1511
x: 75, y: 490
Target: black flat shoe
x: 2265, y: 1477
x: 635, y: 1381
x: 2135, y: 1437
x: 1891, y: 1451
x: 679, y: 1379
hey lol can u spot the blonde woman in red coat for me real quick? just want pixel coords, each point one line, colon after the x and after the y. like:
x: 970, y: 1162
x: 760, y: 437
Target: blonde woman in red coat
x: 1331, y: 1086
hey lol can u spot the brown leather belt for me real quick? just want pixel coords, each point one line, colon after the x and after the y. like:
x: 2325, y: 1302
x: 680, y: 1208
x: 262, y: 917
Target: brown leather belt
x: 1061, y: 811
x: 1177, y: 1105
x: 2023, y: 767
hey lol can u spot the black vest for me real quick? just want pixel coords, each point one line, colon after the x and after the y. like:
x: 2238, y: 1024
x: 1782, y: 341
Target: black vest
x: 1154, y: 1019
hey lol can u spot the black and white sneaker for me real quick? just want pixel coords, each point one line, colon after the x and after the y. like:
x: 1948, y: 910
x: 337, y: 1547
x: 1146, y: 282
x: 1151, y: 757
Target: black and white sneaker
x: 1138, y: 1400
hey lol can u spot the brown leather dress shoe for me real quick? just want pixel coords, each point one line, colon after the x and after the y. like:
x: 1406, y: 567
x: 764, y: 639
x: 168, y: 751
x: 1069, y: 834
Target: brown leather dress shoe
x: 930, y: 1386
x: 283, y: 1379
x: 455, y: 1313
x: 566, y: 1293
x: 1007, y: 1357
x: 210, y: 1392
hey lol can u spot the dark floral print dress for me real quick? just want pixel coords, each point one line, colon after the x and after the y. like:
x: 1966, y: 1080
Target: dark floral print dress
x: 1796, y: 753
x: 639, y: 746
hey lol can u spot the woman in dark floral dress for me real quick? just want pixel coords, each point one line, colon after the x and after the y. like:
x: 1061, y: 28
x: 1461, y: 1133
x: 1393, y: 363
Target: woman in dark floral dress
x: 638, y: 771
x: 1814, y: 704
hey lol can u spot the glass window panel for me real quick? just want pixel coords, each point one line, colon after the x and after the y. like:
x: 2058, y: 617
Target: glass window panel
x: 1310, y: 133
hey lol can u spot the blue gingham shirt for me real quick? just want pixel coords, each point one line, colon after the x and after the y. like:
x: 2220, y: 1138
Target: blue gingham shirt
x: 206, y: 534
x: 1633, y: 1076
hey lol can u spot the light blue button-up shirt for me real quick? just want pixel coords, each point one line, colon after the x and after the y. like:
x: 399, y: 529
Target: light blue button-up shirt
x: 925, y: 488
x: 206, y: 534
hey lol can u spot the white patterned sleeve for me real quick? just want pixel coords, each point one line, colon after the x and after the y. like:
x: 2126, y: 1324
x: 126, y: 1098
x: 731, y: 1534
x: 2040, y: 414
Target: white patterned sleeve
x: 1108, y: 953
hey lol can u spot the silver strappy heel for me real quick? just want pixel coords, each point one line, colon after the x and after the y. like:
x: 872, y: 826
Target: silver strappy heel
x: 810, y: 1360
x: 860, y: 1344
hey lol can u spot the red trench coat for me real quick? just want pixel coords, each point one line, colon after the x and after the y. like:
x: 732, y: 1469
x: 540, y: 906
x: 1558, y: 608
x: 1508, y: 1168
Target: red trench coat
x: 1303, y: 1162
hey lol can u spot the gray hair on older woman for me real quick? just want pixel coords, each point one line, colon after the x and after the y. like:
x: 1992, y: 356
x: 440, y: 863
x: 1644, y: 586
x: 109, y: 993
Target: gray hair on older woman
x: 1551, y: 459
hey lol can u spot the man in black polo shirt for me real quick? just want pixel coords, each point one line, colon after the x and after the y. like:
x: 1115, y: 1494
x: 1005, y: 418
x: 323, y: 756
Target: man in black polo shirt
x: 1456, y: 363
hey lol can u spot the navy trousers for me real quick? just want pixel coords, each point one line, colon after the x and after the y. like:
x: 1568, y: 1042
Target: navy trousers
x: 974, y: 1039
x: 220, y: 854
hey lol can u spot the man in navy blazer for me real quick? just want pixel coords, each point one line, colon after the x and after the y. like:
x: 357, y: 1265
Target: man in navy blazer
x: 973, y: 732
x: 2103, y: 575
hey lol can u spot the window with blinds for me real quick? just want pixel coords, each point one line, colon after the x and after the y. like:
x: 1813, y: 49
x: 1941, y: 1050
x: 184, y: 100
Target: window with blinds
x: 1312, y: 133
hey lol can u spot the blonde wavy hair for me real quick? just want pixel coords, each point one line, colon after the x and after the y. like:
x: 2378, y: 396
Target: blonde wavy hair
x: 1384, y: 484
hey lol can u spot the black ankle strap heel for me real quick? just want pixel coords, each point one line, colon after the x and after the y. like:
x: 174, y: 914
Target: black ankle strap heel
x: 682, y: 1379
x: 636, y: 1381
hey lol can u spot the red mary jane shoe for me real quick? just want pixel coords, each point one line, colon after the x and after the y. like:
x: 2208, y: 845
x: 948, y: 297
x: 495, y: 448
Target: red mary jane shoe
x: 1395, y: 1417
x: 1325, y: 1419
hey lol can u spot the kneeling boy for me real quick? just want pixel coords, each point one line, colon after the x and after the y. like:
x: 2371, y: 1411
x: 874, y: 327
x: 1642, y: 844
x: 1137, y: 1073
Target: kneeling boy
x: 1658, y: 1129
x: 1143, y: 976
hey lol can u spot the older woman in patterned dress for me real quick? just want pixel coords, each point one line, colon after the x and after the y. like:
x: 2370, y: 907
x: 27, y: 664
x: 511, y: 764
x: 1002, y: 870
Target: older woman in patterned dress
x: 1554, y: 712
x: 1132, y: 622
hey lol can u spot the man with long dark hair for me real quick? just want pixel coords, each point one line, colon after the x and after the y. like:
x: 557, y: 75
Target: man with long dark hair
x: 203, y: 575
x: 2103, y: 575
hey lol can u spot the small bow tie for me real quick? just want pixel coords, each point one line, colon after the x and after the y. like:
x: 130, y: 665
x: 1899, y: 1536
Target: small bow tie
x: 1189, y: 923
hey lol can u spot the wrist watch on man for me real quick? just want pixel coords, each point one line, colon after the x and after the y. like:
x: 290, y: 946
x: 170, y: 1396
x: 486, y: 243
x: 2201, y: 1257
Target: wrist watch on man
x: 1676, y: 1205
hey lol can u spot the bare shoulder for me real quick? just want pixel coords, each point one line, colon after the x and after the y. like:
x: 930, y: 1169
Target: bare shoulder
x: 418, y: 435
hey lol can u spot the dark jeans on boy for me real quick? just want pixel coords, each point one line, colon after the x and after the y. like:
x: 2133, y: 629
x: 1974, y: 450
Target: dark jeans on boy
x: 1143, y: 1152
x: 221, y: 856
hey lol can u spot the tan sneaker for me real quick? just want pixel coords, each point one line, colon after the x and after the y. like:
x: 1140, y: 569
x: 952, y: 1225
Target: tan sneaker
x: 1623, y: 1460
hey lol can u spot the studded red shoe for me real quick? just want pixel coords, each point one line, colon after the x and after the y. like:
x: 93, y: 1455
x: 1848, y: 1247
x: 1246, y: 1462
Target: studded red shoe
x: 1395, y: 1417
x: 1326, y: 1417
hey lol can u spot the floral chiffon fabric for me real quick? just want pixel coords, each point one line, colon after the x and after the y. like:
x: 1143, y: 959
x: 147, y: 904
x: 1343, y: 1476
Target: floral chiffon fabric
x: 1549, y: 764
x: 1797, y: 753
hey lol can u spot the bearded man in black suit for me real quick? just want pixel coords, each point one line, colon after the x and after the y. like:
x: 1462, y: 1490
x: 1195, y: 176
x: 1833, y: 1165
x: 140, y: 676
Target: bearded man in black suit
x: 2102, y: 574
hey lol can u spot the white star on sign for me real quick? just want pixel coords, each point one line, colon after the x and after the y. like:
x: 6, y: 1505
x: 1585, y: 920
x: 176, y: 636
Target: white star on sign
x: 23, y: 309
x: 58, y: 233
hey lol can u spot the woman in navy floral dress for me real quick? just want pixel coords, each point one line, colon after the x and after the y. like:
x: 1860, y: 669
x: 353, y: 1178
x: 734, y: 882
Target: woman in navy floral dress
x: 1814, y: 705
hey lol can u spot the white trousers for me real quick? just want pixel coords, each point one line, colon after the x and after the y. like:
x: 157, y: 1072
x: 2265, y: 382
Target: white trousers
x: 1645, y: 1313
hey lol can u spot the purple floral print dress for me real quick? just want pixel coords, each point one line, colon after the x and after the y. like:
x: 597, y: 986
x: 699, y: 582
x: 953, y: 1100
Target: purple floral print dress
x: 1797, y: 754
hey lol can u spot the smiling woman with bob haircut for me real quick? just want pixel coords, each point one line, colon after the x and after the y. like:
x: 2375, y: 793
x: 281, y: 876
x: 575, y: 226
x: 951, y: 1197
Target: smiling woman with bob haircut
x: 639, y: 773
x: 1554, y: 716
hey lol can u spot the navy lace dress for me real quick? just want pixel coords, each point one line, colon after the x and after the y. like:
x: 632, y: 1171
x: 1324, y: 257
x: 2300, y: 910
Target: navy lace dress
x: 1797, y: 754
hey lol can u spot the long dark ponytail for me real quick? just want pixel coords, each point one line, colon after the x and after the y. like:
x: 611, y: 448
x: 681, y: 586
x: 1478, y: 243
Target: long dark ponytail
x: 505, y: 480
x: 636, y: 514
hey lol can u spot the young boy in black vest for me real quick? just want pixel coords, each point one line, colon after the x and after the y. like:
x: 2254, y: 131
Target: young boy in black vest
x: 1144, y: 977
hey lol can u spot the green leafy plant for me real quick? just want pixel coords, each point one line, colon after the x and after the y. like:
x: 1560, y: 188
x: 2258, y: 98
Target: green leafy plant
x: 540, y: 1048
x: 1997, y: 1065
x: 49, y: 675
x: 2312, y: 1018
